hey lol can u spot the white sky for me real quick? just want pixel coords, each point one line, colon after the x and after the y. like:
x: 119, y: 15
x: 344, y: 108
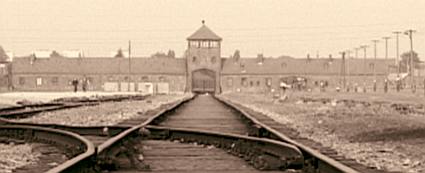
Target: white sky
x: 271, y: 27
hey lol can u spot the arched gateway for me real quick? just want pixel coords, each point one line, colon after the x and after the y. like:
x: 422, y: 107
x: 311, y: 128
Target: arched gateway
x: 203, y: 80
x: 203, y: 61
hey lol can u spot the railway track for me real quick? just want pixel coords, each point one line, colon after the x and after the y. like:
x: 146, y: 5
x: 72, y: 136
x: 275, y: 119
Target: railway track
x: 25, y: 111
x: 71, y: 144
x: 317, y: 157
x: 183, y: 130
x: 31, y: 109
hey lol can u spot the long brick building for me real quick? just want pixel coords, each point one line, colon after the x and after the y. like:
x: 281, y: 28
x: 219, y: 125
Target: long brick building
x: 202, y: 69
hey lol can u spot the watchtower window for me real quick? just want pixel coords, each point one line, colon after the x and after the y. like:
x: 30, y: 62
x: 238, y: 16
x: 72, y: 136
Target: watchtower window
x: 214, y: 44
x: 194, y: 44
x: 205, y: 44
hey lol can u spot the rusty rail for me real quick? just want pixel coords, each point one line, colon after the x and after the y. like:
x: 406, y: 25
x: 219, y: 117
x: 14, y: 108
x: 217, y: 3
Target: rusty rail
x: 324, y: 163
x: 80, y: 149
x: 87, y: 162
x: 264, y: 154
x: 134, y: 131
x: 26, y: 110
x: 236, y: 144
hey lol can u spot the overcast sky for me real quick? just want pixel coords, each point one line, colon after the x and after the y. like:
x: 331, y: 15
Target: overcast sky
x: 274, y: 28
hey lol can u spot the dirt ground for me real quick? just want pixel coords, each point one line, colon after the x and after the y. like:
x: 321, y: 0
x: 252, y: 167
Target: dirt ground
x: 386, y: 131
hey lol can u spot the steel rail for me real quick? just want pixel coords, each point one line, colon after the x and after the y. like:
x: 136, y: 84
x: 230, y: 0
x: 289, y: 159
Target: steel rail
x: 62, y: 103
x: 325, y: 161
x: 116, y: 140
x: 266, y: 154
x: 85, y: 149
x: 119, y: 135
x: 19, y: 113
x: 81, y: 130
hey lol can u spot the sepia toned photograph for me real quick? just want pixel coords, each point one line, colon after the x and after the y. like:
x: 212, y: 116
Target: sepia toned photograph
x: 218, y: 86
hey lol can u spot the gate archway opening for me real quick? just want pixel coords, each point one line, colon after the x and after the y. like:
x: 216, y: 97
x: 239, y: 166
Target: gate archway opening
x: 203, y: 81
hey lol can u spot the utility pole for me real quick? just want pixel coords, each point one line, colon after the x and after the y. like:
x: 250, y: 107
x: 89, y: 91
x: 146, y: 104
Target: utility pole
x: 129, y: 65
x: 397, y: 62
x: 411, y: 69
x: 364, y: 47
x: 386, y: 46
x: 348, y: 67
x: 343, y: 70
x: 356, y: 49
x: 374, y: 64
x: 386, y: 53
x: 374, y: 60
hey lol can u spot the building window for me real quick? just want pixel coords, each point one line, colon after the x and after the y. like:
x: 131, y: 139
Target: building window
x: 145, y: 78
x: 283, y: 65
x: 90, y: 80
x: 229, y: 82
x: 213, y: 60
x: 244, y: 81
x: 258, y: 83
x: 213, y: 44
x: 194, y: 59
x: 326, y: 65
x: 161, y: 78
x: 269, y: 81
x: 251, y: 83
x: 21, y: 81
x: 194, y: 44
x: 371, y: 65
x: 55, y: 80
x: 204, y: 44
x: 39, y: 81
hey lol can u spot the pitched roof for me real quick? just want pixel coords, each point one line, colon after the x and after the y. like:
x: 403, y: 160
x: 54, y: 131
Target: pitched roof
x: 99, y: 65
x: 322, y: 66
x: 204, y: 33
x: 3, y: 55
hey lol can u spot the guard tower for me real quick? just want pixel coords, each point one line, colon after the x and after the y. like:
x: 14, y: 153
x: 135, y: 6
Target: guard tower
x: 203, y: 59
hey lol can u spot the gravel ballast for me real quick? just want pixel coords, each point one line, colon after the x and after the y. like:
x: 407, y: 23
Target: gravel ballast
x: 16, y: 155
x: 109, y: 113
x: 377, y: 134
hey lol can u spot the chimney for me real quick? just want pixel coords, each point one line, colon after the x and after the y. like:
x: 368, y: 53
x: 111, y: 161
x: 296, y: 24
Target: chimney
x: 260, y: 59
